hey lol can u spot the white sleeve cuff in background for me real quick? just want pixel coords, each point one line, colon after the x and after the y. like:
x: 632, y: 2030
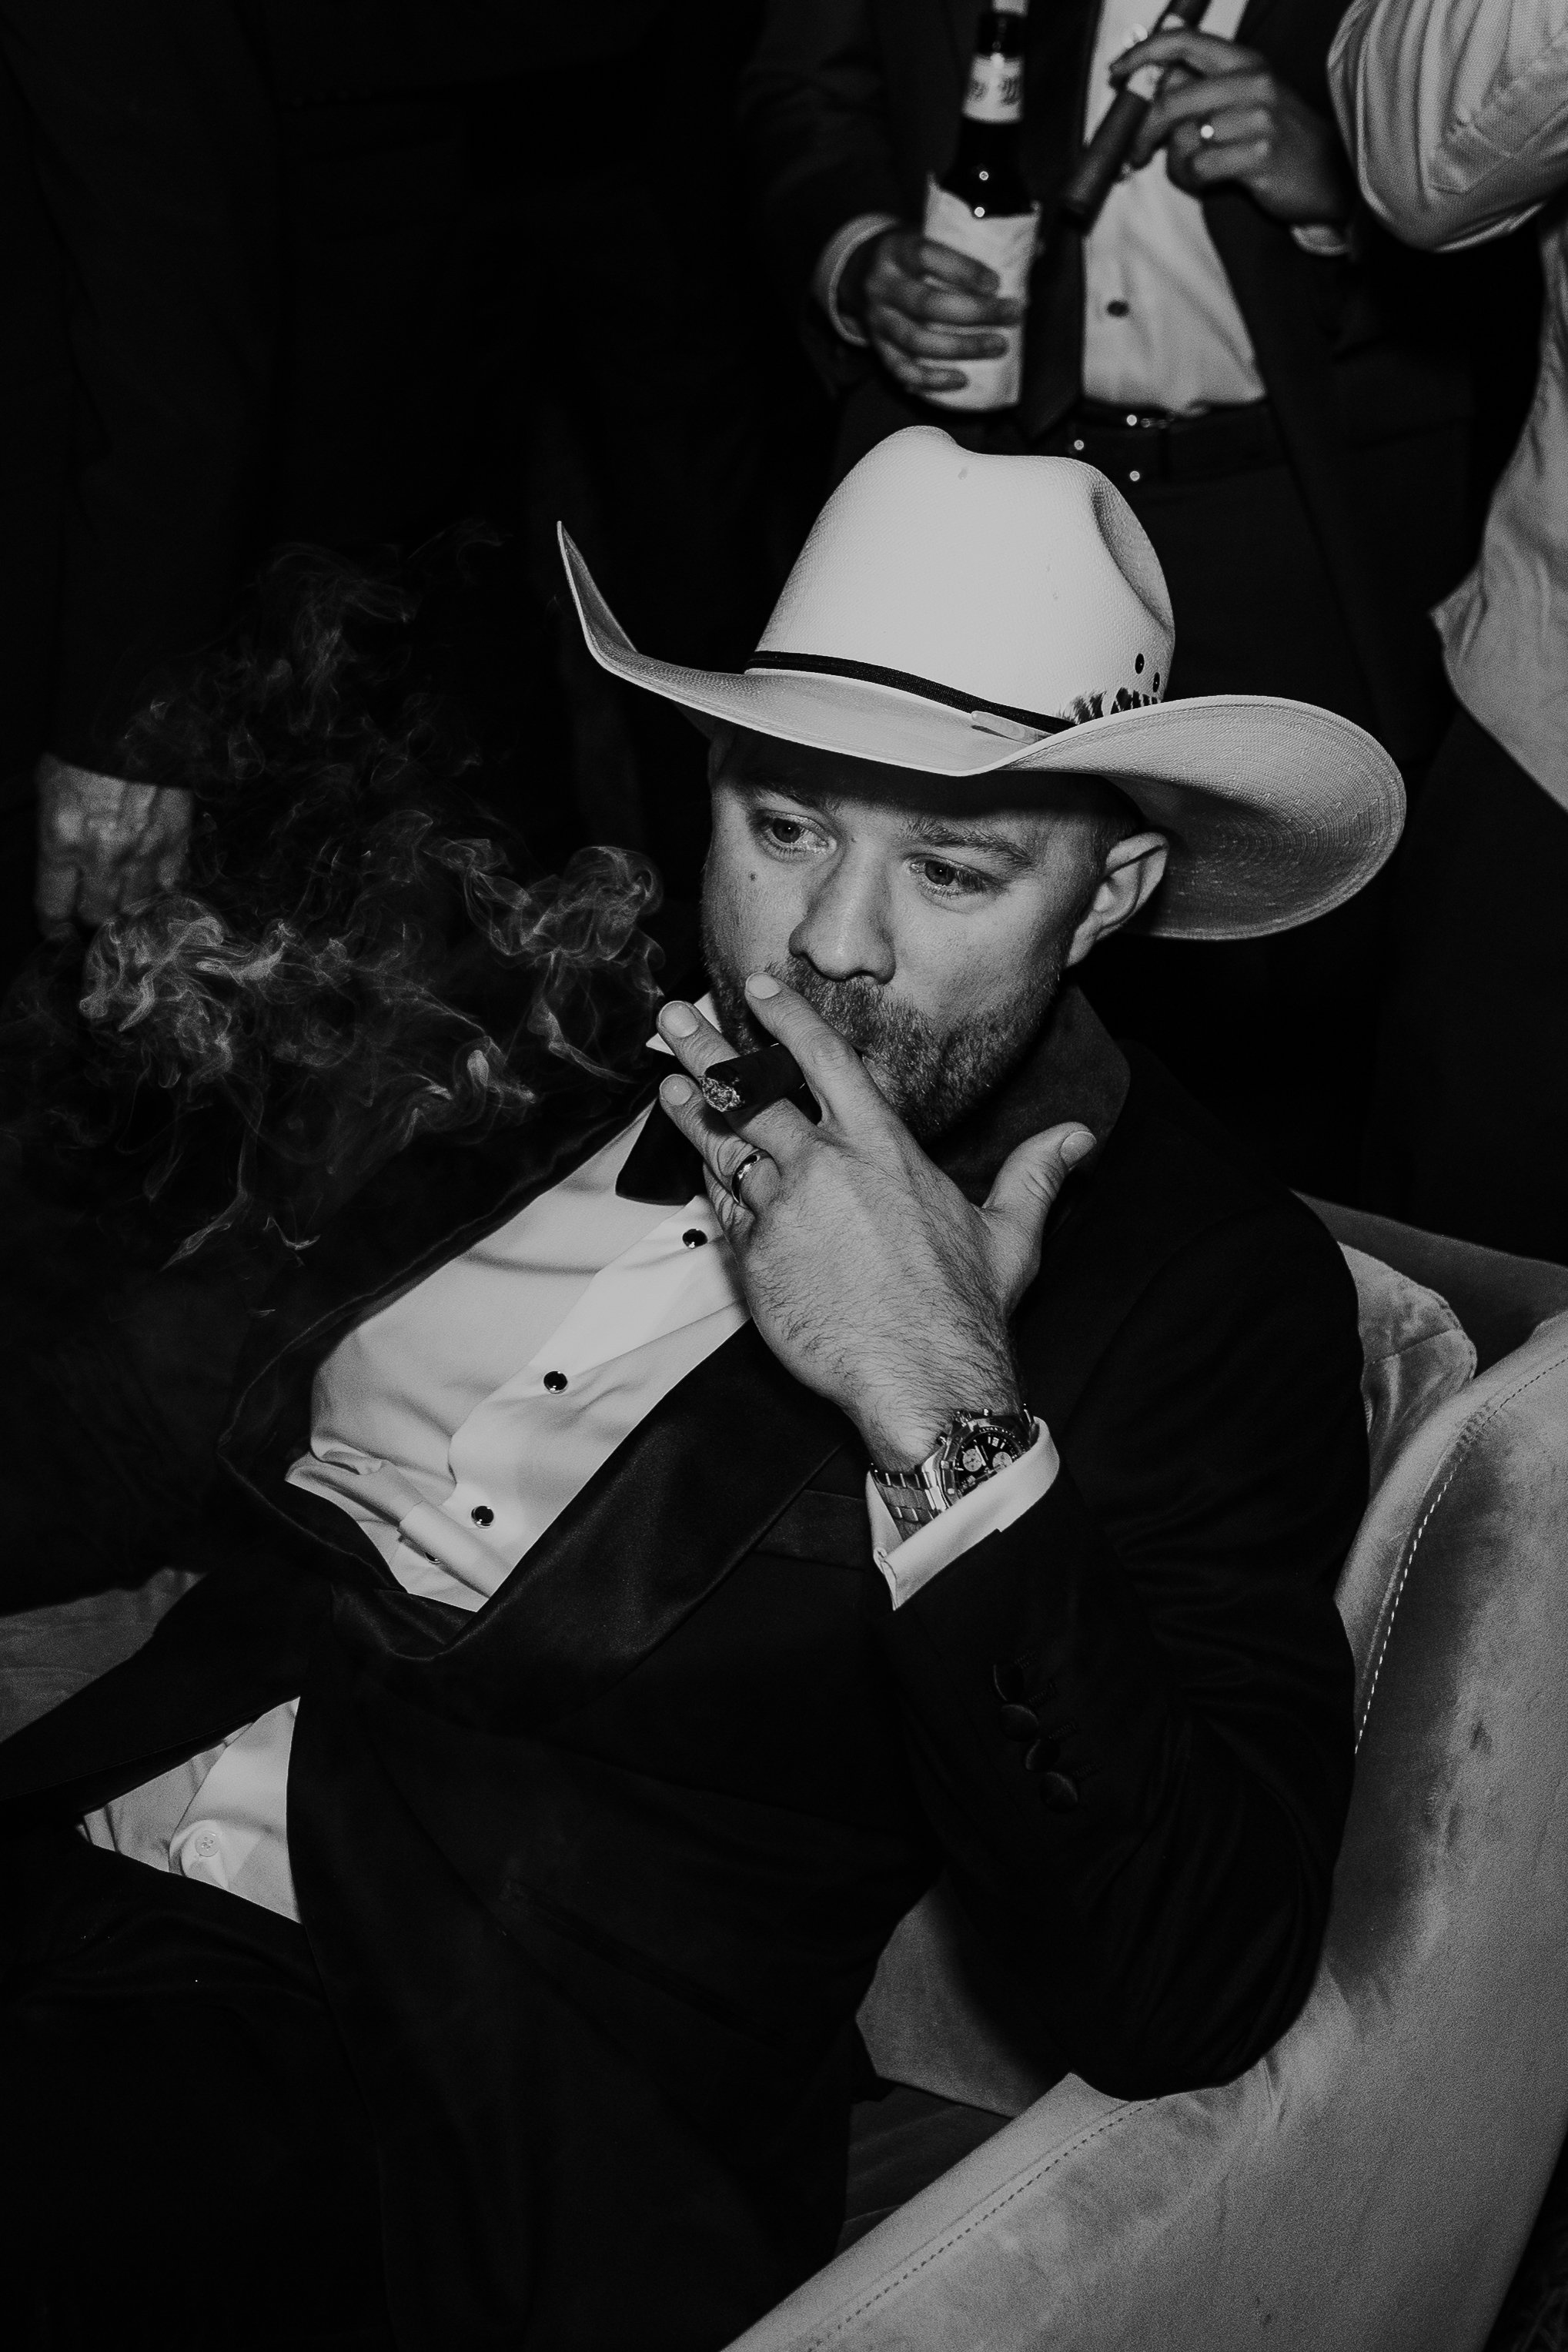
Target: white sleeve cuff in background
x: 831, y: 262
x: 909, y: 1561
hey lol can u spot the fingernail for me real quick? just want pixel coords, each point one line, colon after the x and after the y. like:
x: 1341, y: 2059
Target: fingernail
x: 677, y: 1020
x: 1077, y: 1147
x: 677, y: 1090
x: 762, y: 983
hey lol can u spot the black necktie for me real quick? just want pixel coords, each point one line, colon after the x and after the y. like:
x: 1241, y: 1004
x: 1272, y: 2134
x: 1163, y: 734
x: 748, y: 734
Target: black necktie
x: 1056, y: 69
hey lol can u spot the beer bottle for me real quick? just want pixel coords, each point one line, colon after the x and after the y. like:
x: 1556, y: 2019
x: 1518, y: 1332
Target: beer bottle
x: 981, y: 206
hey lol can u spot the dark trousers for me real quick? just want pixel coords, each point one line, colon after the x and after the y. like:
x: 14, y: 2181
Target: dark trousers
x: 188, y: 2162
x: 1470, y: 1128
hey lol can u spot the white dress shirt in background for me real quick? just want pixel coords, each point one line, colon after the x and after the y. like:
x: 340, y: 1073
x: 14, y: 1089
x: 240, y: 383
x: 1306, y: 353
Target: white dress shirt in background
x: 457, y: 1422
x: 1161, y: 326
x: 1456, y: 113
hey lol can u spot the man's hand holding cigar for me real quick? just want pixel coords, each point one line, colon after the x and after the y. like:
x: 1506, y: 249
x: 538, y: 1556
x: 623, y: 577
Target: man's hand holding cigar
x: 869, y: 1275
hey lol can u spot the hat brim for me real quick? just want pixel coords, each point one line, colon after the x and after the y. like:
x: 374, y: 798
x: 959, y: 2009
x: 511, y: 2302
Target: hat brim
x: 1275, y: 812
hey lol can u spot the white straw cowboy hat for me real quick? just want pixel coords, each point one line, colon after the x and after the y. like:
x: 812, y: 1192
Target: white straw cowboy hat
x: 963, y: 615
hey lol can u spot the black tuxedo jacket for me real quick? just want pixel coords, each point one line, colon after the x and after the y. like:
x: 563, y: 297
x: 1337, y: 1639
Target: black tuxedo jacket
x: 848, y: 104
x: 596, y: 1878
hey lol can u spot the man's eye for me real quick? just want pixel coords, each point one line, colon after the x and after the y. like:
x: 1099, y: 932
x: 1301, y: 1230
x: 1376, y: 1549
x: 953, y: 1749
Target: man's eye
x: 784, y: 831
x: 950, y: 881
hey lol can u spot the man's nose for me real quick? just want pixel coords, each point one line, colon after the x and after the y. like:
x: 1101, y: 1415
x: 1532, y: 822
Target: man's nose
x: 845, y: 932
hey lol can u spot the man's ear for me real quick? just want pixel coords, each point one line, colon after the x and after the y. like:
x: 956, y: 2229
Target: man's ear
x: 1132, y: 872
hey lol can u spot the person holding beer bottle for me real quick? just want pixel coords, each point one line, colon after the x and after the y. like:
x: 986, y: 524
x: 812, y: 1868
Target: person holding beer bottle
x: 1274, y: 386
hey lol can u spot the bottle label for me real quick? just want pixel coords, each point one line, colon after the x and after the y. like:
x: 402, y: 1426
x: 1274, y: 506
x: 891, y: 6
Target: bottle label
x: 996, y: 90
x: 1005, y: 243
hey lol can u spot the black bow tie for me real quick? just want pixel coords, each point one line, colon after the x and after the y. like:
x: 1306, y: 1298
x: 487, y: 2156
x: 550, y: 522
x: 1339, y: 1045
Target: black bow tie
x: 661, y: 1166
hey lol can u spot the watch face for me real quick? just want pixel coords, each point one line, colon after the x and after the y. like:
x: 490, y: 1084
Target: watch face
x: 975, y: 1450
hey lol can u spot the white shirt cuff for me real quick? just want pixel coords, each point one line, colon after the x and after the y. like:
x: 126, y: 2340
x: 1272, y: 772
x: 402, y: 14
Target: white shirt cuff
x: 909, y: 1561
x: 830, y: 266
x: 1323, y: 240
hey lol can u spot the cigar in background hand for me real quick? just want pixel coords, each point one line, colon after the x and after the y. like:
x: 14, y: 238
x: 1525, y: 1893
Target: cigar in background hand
x: 1100, y: 164
x: 752, y: 1081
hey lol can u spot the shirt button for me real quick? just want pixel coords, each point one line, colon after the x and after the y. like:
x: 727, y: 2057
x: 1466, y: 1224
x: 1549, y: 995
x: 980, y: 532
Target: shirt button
x: 481, y: 1515
x: 555, y: 1382
x: 205, y: 1844
x: 1116, y: 310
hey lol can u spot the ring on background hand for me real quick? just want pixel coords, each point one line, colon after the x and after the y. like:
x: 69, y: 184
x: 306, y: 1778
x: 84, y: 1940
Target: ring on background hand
x: 737, y: 1172
x: 1205, y: 131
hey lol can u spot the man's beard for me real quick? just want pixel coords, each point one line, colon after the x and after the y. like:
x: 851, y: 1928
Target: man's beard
x: 933, y: 1077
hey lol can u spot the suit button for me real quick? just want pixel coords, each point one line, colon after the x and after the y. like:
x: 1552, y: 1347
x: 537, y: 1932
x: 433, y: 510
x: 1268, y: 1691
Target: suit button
x: 1006, y: 1677
x: 1019, y: 1722
x: 1058, y: 1794
x: 1043, y: 1754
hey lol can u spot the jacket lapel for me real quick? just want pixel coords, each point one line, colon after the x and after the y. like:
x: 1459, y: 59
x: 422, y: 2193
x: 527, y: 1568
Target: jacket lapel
x: 693, y: 1489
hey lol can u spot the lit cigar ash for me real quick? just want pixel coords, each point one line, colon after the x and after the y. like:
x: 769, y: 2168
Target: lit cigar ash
x: 752, y: 1081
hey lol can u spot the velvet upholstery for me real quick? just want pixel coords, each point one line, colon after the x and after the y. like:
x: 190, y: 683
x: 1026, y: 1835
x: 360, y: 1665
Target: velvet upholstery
x: 1373, y: 2179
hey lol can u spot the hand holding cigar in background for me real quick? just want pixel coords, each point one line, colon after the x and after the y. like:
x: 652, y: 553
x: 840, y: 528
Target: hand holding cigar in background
x: 1224, y: 117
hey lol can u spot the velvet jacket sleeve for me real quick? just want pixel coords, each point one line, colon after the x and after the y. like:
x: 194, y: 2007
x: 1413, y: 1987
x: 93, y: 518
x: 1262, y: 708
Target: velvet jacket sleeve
x: 820, y: 139
x: 1129, y: 1713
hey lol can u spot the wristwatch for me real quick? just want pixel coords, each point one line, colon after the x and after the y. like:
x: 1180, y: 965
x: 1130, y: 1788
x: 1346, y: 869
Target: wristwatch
x: 972, y: 1448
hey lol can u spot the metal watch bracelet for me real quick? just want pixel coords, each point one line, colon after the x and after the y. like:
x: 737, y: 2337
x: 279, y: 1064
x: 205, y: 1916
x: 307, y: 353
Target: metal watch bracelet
x: 972, y: 1448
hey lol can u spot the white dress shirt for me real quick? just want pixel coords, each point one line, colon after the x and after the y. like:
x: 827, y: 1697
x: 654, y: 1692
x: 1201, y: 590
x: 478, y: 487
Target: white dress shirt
x: 457, y: 1422
x: 1162, y: 330
x: 1456, y: 113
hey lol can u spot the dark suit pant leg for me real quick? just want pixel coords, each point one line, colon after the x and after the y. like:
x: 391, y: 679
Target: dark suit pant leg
x: 189, y: 2163
x: 1469, y: 1129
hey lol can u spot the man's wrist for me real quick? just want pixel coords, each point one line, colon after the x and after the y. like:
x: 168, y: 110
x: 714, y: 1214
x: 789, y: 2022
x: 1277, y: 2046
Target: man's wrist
x: 903, y: 1435
x: 847, y: 254
x: 973, y: 1449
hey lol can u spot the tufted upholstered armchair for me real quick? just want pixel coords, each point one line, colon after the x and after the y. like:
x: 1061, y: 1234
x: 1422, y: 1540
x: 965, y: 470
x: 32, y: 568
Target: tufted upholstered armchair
x: 1371, y: 2182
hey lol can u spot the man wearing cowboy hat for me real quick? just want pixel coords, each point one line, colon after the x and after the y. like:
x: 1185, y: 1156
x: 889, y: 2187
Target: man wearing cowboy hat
x: 661, y: 1540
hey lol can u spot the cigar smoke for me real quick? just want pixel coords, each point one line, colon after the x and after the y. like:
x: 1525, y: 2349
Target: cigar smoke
x: 352, y: 965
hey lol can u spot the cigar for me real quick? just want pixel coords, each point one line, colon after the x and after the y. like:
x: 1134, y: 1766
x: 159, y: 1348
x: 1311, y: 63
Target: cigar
x: 752, y: 1081
x: 1100, y: 164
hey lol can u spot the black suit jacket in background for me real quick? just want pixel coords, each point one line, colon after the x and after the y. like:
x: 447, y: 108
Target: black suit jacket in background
x: 848, y: 104
x: 596, y: 1878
